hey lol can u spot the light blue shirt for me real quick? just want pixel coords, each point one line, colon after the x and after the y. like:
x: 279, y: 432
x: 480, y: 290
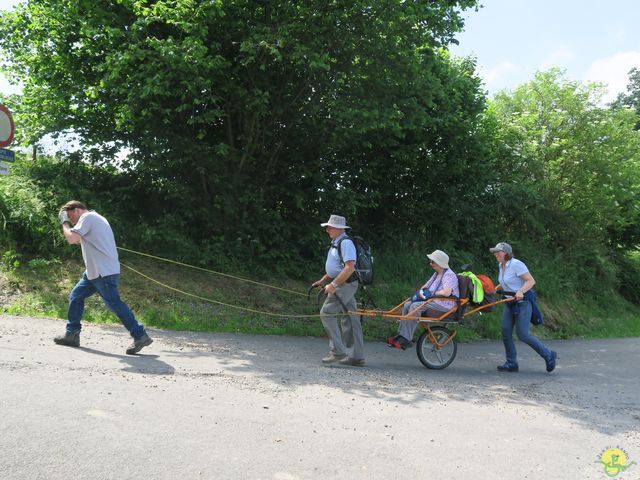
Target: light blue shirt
x: 510, y: 278
x: 334, y: 266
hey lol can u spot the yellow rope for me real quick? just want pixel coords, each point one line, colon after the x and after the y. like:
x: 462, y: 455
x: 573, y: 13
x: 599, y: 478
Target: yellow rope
x: 217, y: 302
x: 212, y: 271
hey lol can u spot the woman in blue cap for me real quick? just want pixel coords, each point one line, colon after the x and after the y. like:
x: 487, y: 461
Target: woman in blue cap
x: 515, y: 279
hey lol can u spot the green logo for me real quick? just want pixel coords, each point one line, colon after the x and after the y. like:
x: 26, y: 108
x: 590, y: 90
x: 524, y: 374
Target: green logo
x: 614, y: 461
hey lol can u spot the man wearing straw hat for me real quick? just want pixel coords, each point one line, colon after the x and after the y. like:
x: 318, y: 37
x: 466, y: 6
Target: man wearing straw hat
x: 340, y: 283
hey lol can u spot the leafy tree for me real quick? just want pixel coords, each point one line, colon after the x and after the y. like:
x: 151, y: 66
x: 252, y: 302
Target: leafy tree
x: 570, y: 173
x: 252, y: 117
x: 25, y: 215
x: 631, y: 98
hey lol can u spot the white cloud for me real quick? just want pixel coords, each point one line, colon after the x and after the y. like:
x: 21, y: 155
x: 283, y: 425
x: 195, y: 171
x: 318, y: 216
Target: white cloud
x: 499, y: 71
x: 500, y: 76
x: 614, y: 72
x: 557, y: 58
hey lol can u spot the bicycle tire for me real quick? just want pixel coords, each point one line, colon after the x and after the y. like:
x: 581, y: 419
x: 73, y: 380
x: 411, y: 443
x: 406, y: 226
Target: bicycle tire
x: 432, y: 356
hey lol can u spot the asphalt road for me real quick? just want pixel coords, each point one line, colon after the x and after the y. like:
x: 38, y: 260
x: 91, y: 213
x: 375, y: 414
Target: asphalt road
x: 223, y: 406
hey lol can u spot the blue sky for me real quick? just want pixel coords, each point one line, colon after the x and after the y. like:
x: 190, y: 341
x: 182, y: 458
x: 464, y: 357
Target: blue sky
x: 593, y: 40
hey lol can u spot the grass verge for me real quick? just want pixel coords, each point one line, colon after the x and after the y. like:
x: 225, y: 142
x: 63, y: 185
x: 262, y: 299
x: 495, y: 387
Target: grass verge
x: 43, y: 287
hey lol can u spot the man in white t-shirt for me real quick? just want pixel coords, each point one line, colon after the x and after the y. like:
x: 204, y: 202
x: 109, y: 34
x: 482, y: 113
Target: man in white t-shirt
x: 94, y: 234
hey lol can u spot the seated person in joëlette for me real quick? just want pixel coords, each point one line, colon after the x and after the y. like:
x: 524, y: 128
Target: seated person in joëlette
x: 443, y: 282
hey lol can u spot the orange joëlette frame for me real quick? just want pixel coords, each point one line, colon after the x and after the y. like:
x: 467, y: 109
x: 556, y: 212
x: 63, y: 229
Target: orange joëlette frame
x: 393, y: 313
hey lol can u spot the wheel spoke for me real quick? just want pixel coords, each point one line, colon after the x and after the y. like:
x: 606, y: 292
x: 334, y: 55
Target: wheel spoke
x: 433, y: 356
x: 438, y: 355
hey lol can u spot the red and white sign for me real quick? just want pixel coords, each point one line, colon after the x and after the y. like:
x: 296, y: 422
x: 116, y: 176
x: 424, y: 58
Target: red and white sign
x: 6, y: 127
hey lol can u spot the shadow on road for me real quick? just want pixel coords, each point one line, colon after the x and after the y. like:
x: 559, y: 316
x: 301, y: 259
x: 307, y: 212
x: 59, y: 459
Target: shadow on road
x: 147, y: 364
x: 590, y: 385
x: 593, y: 385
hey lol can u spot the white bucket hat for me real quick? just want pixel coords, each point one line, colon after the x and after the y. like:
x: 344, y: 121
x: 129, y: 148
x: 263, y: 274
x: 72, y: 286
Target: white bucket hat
x: 336, y: 221
x: 440, y: 258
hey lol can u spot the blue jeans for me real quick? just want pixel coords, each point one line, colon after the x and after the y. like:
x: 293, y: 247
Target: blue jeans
x: 107, y: 287
x: 521, y: 320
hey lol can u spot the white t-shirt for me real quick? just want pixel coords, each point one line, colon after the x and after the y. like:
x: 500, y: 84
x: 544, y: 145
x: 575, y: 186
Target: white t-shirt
x: 98, y: 245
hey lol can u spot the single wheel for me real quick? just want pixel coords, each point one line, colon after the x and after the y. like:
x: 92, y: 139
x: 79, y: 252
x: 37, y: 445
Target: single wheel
x: 430, y: 354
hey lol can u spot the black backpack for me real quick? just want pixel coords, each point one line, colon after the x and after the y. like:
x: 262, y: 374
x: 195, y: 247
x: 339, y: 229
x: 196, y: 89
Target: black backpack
x: 364, y: 259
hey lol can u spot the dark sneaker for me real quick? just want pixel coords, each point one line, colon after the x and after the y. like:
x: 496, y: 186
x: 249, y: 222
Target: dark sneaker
x: 551, y: 362
x: 508, y: 367
x: 332, y: 358
x: 138, y: 344
x: 352, y: 362
x: 401, y: 342
x: 68, y: 339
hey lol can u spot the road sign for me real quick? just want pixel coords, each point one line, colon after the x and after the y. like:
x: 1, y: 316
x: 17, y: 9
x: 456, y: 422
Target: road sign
x: 4, y: 169
x: 7, y: 155
x: 6, y: 127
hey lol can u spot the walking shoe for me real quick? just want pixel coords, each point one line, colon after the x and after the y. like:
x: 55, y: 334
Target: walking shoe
x: 138, y: 344
x: 332, y: 358
x: 352, y: 362
x: 508, y: 367
x: 551, y: 362
x: 68, y: 339
x: 401, y: 342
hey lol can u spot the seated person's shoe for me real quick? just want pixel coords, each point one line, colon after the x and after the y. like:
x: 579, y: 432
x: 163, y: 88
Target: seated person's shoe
x: 551, y: 361
x: 404, y: 343
x: 391, y: 340
x: 138, y: 344
x: 401, y: 342
x: 508, y: 367
x: 68, y: 339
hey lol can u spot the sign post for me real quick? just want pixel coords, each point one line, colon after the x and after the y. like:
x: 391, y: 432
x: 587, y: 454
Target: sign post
x: 7, y: 130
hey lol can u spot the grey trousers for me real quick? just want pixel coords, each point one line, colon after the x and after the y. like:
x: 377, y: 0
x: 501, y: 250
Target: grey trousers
x: 407, y: 328
x: 350, y: 337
